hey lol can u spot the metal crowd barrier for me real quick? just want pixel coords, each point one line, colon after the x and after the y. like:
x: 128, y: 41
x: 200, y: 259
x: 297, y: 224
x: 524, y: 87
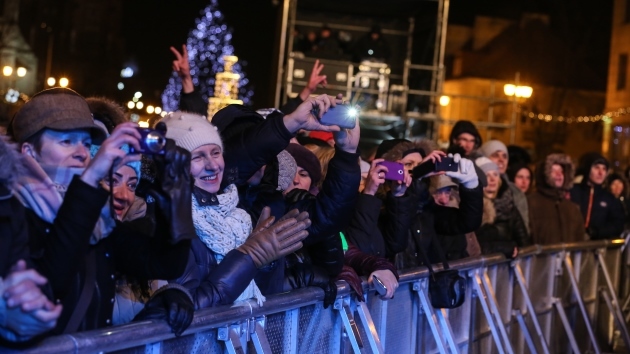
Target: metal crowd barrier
x: 550, y: 299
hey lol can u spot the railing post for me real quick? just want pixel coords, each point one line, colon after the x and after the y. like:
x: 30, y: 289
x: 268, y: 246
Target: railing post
x: 492, y: 300
x: 576, y: 291
x: 368, y: 326
x: 483, y: 299
x: 520, y: 278
x: 352, y: 330
x: 567, y: 326
x: 420, y: 288
x: 259, y: 338
x: 611, y: 298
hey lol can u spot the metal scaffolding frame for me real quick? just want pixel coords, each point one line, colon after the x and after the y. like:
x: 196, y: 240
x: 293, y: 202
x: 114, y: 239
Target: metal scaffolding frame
x: 289, y: 21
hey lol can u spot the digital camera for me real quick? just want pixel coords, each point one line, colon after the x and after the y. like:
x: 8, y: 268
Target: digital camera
x: 152, y: 142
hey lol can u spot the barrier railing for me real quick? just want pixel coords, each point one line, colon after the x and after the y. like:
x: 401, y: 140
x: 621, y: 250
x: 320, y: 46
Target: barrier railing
x: 548, y: 300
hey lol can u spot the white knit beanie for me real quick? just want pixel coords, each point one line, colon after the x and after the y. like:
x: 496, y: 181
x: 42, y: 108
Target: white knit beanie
x: 492, y: 146
x: 190, y: 130
x: 486, y: 165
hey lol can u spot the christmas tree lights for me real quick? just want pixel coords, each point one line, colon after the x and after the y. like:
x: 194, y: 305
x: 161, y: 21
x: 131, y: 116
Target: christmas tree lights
x: 208, y: 42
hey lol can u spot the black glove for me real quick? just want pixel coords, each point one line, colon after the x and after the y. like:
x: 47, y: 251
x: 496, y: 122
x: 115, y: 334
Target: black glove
x: 270, y: 241
x: 173, y: 305
x: 301, y: 275
x: 172, y: 191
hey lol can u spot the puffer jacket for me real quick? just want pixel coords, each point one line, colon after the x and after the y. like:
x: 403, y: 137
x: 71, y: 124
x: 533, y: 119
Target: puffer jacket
x: 553, y: 218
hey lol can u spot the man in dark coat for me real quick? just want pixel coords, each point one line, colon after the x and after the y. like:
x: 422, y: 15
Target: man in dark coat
x: 553, y: 218
x: 25, y: 310
x: 603, y: 213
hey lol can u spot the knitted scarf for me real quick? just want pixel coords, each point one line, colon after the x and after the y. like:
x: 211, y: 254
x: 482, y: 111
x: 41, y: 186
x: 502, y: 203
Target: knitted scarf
x: 224, y: 227
x: 42, y: 188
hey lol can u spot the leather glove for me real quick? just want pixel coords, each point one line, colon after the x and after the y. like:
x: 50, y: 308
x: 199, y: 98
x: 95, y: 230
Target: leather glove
x: 352, y: 278
x: 172, y: 304
x: 466, y: 174
x: 301, y: 275
x: 270, y: 241
x: 172, y: 191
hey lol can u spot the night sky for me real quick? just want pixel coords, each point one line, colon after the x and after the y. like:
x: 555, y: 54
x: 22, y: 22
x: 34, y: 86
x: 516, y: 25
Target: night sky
x: 150, y: 30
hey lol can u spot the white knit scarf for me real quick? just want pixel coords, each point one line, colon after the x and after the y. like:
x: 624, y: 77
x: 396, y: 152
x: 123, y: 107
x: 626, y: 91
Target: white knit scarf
x: 224, y: 227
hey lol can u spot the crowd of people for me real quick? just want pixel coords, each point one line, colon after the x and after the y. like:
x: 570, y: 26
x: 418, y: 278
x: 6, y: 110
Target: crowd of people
x: 98, y: 229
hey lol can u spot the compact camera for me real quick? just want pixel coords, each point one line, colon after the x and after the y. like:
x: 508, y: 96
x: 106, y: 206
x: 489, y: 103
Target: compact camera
x: 152, y: 142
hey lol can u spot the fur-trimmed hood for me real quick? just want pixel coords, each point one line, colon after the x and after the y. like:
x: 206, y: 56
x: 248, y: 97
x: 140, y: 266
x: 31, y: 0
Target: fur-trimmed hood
x: 11, y: 162
x: 543, y: 175
x: 107, y: 111
x: 396, y: 153
x: 489, y: 212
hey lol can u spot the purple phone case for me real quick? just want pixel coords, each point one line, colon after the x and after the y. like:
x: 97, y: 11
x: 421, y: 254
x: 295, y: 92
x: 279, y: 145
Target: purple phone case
x: 395, y: 171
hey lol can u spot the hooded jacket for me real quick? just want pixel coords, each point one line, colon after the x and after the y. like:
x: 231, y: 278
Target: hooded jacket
x: 553, y: 218
x: 606, y: 219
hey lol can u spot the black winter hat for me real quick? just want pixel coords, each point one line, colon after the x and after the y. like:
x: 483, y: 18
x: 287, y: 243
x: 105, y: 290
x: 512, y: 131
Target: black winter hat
x: 307, y: 160
x: 465, y: 126
x: 387, y: 145
x: 590, y: 159
x: 234, y: 119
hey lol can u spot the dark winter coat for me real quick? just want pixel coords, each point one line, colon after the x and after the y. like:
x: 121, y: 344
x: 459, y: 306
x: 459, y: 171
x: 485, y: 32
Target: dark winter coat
x: 607, y: 215
x: 193, y: 102
x: 211, y: 283
x: 61, y: 250
x: 13, y: 232
x: 381, y: 230
x: 433, y: 220
x: 553, y: 218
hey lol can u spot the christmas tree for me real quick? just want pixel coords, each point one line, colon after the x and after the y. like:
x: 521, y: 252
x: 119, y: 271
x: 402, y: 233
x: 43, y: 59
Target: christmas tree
x: 208, y: 42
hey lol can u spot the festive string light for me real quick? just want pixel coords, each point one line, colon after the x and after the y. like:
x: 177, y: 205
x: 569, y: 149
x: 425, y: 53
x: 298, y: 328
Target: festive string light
x: 605, y: 117
x: 207, y: 43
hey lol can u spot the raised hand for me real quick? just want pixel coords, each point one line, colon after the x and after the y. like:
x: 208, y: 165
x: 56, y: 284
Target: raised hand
x: 181, y: 66
x: 466, y: 173
x: 314, y: 80
x: 111, y: 153
x: 376, y: 177
x: 308, y: 114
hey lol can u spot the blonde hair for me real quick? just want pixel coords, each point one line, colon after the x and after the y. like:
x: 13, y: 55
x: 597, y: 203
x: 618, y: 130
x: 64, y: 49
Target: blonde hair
x: 324, y: 155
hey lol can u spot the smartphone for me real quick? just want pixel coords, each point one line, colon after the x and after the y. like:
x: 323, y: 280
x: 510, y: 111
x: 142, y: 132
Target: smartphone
x: 395, y: 171
x: 447, y: 164
x: 344, y: 116
x: 380, y: 288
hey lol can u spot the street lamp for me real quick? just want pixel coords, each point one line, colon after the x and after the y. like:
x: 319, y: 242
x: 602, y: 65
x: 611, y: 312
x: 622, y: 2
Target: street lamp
x: 7, y: 70
x: 63, y: 81
x: 131, y: 104
x: 21, y: 71
x: 518, y: 91
x: 444, y: 101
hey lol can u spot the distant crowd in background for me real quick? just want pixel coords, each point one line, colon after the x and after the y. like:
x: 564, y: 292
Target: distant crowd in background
x: 104, y: 223
x: 326, y: 44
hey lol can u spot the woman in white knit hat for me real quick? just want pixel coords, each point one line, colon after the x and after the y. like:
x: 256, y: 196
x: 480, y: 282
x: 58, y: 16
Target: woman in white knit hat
x: 225, y: 258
